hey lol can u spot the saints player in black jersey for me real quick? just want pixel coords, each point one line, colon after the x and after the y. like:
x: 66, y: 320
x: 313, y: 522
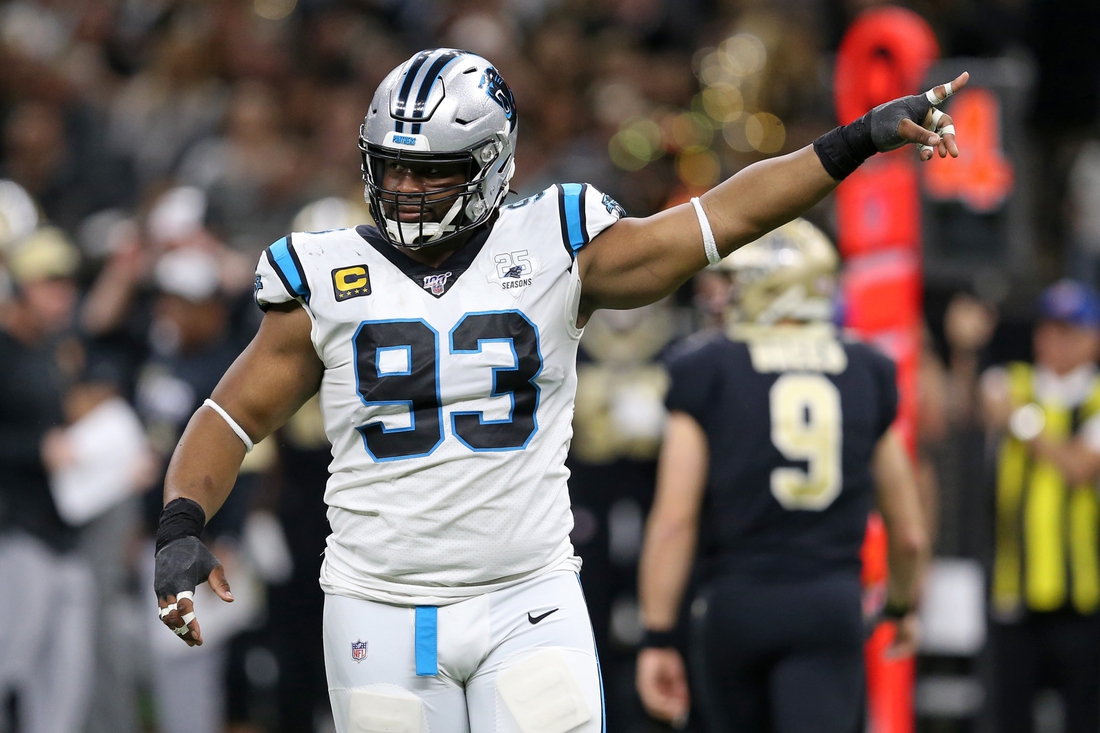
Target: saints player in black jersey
x: 778, y: 445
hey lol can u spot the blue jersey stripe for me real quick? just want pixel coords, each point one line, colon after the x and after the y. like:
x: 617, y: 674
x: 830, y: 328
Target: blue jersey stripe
x: 288, y: 270
x: 427, y: 641
x: 573, y: 216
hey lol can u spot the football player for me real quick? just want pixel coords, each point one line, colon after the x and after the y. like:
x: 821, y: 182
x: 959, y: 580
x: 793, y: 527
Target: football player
x: 782, y: 431
x: 443, y: 342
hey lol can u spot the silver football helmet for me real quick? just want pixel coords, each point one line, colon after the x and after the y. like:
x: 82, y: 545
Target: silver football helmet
x: 441, y: 106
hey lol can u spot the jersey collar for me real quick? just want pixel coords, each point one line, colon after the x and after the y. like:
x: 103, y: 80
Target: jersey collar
x: 435, y: 281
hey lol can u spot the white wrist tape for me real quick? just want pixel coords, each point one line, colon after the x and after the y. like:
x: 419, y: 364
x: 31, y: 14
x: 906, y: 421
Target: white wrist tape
x: 709, y: 245
x: 248, y: 445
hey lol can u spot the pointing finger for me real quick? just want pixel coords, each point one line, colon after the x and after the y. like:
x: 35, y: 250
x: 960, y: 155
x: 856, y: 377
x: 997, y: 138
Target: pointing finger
x: 937, y: 95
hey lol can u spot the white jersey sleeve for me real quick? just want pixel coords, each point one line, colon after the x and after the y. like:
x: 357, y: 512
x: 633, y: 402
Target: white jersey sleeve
x: 447, y: 397
x: 279, y: 275
x: 585, y: 212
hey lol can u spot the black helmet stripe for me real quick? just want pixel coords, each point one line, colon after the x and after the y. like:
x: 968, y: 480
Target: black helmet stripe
x: 430, y: 78
x: 407, y: 83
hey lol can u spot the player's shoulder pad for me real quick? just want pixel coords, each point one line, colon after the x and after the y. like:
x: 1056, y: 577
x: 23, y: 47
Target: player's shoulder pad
x: 280, y: 276
x: 585, y: 211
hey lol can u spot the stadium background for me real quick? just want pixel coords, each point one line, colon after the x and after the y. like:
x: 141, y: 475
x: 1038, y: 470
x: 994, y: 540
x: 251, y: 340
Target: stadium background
x: 164, y: 144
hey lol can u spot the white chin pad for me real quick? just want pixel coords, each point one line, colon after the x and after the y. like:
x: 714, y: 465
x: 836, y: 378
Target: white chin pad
x: 431, y: 230
x: 371, y: 712
x: 543, y: 695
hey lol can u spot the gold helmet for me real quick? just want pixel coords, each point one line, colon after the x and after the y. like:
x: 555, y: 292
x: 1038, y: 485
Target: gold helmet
x: 789, y: 273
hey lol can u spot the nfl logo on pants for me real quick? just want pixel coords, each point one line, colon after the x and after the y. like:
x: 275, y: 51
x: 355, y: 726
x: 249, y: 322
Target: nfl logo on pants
x: 359, y: 650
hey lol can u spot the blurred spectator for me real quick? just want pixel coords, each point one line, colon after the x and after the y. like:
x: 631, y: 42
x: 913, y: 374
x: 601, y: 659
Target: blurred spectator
x: 97, y: 464
x: 171, y: 103
x: 252, y: 173
x: 1046, y: 571
x: 951, y: 432
x: 58, y: 156
x: 47, y: 615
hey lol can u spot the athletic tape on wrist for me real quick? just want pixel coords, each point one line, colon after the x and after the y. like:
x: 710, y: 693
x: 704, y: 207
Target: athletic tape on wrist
x: 709, y: 245
x: 180, y: 518
x: 248, y: 445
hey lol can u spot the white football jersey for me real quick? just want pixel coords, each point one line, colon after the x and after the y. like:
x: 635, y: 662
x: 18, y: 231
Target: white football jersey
x: 447, y: 396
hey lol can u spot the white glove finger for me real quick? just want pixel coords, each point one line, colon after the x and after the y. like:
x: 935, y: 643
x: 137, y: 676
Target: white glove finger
x: 936, y: 117
x: 929, y: 148
x: 189, y: 595
x: 167, y: 610
x: 947, y: 130
x: 188, y: 618
x: 182, y: 631
x: 935, y: 98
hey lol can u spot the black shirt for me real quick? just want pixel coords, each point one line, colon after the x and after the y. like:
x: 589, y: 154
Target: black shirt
x: 773, y: 434
x: 31, y: 386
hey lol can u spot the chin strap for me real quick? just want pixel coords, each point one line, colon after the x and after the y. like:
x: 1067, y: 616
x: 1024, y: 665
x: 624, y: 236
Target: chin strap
x: 427, y: 231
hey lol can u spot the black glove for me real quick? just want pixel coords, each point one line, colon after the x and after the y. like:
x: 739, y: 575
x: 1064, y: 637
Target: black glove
x: 883, y: 120
x: 181, y: 565
x: 182, y: 560
x: 843, y: 149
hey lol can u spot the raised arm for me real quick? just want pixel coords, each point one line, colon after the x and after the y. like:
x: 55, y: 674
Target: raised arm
x: 266, y: 385
x: 639, y: 261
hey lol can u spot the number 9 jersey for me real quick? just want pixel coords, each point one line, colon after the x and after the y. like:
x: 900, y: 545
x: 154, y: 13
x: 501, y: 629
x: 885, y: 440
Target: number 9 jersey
x: 447, y: 396
x: 792, y: 415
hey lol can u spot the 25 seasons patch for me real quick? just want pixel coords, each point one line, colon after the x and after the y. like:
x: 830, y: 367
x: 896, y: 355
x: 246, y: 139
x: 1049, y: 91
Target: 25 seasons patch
x: 350, y: 282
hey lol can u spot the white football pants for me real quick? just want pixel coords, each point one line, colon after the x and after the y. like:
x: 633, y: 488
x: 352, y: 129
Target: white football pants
x: 518, y: 660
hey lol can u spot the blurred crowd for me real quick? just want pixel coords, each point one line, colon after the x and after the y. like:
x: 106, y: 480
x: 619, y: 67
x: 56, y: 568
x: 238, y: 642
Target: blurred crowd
x: 149, y: 151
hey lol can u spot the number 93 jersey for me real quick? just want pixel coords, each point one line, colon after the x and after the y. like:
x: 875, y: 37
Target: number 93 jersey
x: 447, y: 396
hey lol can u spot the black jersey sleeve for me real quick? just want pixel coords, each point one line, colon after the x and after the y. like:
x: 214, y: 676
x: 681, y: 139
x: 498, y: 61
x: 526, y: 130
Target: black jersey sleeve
x: 690, y: 370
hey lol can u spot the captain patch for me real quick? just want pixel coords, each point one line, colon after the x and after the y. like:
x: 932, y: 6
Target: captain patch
x: 350, y: 282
